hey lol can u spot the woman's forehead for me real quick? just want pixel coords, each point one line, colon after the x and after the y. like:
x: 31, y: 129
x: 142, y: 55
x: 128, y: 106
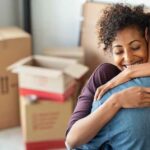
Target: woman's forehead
x: 127, y: 35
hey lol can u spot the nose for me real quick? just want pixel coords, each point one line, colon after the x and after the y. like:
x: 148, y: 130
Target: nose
x: 128, y: 57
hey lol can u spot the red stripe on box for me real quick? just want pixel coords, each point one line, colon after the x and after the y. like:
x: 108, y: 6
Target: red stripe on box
x: 45, y: 145
x: 49, y: 95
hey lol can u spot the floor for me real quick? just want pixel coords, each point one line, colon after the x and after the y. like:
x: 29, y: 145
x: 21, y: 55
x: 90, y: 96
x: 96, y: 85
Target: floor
x: 11, y: 139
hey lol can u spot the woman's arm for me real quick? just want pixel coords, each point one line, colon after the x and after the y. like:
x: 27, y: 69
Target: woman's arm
x: 85, y: 129
x: 101, y: 75
x: 140, y: 70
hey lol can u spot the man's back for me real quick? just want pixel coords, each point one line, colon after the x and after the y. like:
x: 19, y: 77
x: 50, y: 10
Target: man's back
x: 129, y: 129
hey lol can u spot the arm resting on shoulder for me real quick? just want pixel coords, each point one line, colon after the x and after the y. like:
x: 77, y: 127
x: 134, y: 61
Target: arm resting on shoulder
x: 140, y: 70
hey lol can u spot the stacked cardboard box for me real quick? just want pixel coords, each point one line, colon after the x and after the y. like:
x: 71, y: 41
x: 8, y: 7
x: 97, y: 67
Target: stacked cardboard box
x: 14, y: 45
x: 44, y: 123
x: 46, y: 79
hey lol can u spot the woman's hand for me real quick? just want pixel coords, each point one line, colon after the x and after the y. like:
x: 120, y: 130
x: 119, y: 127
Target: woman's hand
x: 122, y: 77
x: 102, y: 89
x: 134, y: 97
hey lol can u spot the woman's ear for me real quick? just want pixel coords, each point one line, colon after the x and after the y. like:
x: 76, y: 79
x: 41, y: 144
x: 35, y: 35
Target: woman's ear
x: 146, y: 34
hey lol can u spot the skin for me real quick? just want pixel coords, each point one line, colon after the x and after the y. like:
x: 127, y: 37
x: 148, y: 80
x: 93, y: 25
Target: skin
x: 81, y: 132
x: 129, y: 48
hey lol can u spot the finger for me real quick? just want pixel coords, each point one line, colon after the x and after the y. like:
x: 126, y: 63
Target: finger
x: 102, y: 92
x: 146, y: 89
x: 96, y: 95
x: 146, y: 98
x: 146, y: 95
x: 146, y: 104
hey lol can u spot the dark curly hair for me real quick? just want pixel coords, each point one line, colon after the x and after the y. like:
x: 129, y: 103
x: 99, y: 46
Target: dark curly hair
x: 117, y: 17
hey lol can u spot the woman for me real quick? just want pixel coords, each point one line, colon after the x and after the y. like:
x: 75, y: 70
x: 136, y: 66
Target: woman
x: 123, y: 30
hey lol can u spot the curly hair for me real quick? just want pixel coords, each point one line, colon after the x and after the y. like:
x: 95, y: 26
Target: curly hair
x: 117, y: 17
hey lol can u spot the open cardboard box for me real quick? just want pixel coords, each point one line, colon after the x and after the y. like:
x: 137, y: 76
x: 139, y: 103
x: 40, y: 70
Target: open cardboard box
x: 48, y: 77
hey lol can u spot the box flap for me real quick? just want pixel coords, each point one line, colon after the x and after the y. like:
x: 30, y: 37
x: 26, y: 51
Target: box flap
x: 18, y: 64
x: 36, y: 71
x: 76, y: 70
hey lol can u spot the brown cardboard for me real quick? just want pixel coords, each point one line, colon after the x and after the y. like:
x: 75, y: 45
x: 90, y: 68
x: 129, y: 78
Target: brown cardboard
x: 94, y: 55
x: 77, y: 53
x: 92, y: 11
x: 44, y: 120
x: 48, y: 74
x: 9, y: 107
x: 14, y: 44
x: 66, y: 52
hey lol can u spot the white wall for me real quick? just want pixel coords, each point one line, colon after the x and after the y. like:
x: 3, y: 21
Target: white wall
x: 9, y: 13
x: 56, y: 23
x: 132, y: 2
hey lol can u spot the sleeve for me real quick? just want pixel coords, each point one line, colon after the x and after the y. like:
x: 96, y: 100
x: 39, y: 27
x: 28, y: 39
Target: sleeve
x: 102, y: 74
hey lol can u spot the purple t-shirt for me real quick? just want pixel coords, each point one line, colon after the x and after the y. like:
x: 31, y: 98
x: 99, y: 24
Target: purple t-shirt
x: 102, y: 74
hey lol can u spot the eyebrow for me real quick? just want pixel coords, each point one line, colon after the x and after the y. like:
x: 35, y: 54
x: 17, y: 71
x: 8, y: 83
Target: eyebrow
x: 133, y: 41
x: 128, y: 43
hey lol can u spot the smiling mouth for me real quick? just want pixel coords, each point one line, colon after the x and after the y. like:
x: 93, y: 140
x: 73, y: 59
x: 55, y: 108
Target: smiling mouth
x: 135, y: 63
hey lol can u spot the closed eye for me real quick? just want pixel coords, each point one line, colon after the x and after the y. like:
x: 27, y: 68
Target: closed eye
x: 136, y: 48
x: 118, y: 52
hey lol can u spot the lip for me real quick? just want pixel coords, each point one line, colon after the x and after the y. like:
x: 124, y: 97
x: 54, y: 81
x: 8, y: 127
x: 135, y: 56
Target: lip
x: 135, y: 63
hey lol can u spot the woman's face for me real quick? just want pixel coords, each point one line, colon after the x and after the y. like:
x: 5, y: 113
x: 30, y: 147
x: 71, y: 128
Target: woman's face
x: 129, y: 48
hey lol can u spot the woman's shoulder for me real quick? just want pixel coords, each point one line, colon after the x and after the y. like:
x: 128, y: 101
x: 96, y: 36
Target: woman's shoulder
x: 106, y: 69
x: 102, y: 74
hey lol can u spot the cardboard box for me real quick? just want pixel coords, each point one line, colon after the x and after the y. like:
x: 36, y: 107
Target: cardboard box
x: 73, y: 52
x: 77, y: 53
x: 14, y: 45
x: 44, y: 123
x: 94, y: 55
x: 92, y: 11
x: 48, y: 77
x: 9, y: 104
